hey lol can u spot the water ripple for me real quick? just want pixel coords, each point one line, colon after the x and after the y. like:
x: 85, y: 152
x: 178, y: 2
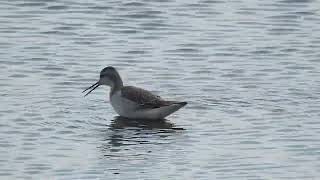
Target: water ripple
x: 249, y: 71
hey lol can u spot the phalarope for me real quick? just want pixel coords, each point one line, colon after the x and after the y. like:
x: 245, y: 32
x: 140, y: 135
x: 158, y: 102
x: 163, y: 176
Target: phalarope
x: 134, y: 102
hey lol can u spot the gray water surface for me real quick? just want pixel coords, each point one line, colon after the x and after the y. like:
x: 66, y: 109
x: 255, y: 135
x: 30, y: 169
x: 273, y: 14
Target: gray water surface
x: 249, y: 70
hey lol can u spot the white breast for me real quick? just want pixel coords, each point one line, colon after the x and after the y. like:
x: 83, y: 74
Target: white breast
x: 122, y: 106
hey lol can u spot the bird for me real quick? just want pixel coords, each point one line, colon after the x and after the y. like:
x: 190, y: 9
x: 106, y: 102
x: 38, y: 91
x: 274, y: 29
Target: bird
x: 133, y: 102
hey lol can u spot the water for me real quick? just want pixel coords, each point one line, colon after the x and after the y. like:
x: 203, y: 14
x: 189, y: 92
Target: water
x: 249, y: 70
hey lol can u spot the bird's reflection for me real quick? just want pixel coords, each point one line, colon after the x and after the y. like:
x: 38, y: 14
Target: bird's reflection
x: 122, y: 123
x: 124, y: 132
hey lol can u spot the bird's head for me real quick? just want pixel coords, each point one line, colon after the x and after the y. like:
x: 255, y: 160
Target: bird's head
x: 108, y: 76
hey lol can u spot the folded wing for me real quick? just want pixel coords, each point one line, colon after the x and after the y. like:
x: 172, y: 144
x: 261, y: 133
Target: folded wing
x: 144, y: 98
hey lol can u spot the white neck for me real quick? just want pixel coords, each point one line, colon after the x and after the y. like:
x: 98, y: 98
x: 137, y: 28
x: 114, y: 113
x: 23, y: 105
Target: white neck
x: 116, y: 85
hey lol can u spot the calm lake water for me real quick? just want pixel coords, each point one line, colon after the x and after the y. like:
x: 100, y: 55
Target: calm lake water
x: 249, y: 70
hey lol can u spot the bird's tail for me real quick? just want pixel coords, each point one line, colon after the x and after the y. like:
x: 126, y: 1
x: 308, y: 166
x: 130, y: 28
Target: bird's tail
x: 180, y: 103
x: 172, y: 107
